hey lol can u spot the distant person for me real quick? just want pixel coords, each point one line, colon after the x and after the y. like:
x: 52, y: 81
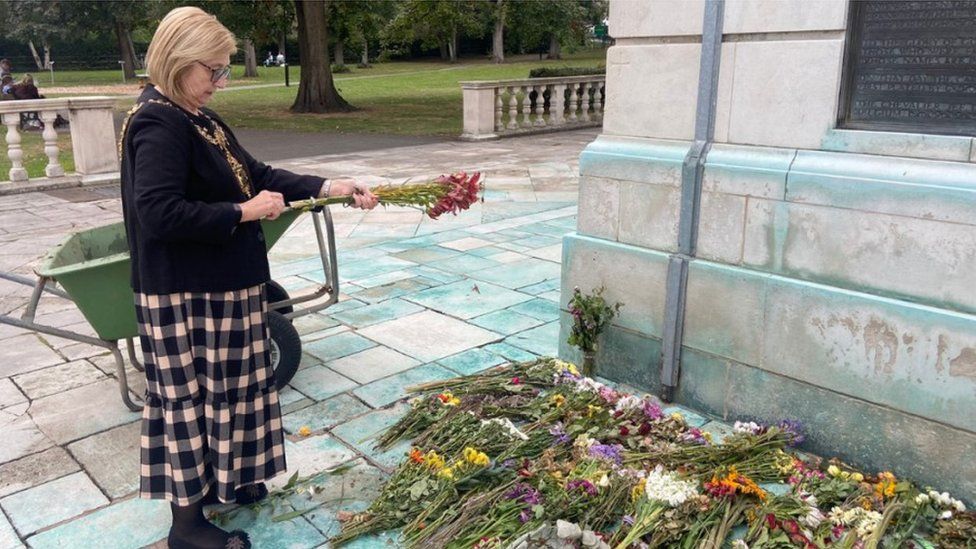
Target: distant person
x: 6, y: 86
x: 6, y: 69
x: 25, y: 89
x: 270, y: 60
x: 281, y: 58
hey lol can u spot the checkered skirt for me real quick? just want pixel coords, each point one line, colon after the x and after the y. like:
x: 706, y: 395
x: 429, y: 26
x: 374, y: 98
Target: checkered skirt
x: 212, y: 416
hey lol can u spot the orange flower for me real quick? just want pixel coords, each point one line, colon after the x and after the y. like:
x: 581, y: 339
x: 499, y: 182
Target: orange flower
x: 886, y: 485
x: 734, y: 483
x: 416, y: 455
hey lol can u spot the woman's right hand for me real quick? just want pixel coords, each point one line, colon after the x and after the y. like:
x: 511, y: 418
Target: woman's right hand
x: 266, y: 205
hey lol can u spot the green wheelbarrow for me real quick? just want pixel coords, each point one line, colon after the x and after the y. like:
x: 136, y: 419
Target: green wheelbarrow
x: 93, y: 268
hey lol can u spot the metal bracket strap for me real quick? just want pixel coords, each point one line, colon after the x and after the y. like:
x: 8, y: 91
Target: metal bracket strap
x: 691, y: 184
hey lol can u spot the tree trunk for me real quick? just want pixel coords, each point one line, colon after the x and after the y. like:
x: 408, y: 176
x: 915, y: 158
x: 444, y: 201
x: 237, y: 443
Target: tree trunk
x: 316, y: 90
x: 340, y: 53
x: 445, y: 55
x: 250, y: 59
x: 47, y: 56
x: 281, y: 41
x: 132, y: 47
x: 37, y: 58
x: 555, y: 50
x: 452, y: 47
x: 364, y: 62
x: 498, y: 35
x: 127, y: 55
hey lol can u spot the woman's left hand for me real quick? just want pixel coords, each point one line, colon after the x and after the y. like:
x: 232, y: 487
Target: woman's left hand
x: 360, y: 192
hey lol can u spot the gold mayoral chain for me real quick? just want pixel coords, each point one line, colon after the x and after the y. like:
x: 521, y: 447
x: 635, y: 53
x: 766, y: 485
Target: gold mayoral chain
x: 217, y: 139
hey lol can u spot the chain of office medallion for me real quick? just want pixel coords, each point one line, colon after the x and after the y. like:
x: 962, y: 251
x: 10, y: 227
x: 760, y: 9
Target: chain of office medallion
x: 217, y: 139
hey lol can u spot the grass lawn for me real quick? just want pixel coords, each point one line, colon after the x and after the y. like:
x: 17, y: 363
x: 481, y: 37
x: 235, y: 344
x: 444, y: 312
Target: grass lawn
x: 407, y: 98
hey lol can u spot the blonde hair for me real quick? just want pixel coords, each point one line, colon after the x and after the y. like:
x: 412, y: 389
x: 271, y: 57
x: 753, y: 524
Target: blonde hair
x: 185, y: 36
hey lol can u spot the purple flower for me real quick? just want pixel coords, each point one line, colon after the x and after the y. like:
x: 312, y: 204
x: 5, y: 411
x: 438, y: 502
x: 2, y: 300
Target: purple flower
x: 581, y: 485
x: 525, y: 516
x: 607, y: 452
x: 628, y: 520
x: 794, y: 429
x: 509, y: 463
x: 524, y: 493
x: 652, y: 411
x: 559, y: 432
x: 609, y: 395
x: 694, y: 435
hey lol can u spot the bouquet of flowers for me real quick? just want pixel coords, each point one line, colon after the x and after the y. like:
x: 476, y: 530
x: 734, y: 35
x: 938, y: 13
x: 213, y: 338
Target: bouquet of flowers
x: 446, y: 194
x: 591, y: 314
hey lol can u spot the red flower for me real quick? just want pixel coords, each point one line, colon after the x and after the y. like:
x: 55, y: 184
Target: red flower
x: 624, y: 431
x: 516, y: 381
x: 461, y: 192
x: 644, y: 429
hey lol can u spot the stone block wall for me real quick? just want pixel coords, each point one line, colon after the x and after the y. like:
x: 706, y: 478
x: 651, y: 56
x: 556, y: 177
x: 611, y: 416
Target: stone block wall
x: 836, y: 273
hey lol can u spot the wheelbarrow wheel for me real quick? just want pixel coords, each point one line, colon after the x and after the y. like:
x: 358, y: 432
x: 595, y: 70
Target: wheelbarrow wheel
x: 275, y: 293
x: 286, y: 348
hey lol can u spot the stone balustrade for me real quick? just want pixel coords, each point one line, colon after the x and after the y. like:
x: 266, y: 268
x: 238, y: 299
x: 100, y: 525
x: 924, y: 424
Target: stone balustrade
x: 500, y: 108
x: 92, y: 137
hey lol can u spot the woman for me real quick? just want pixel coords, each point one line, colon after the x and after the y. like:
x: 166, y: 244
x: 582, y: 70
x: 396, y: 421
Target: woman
x: 192, y: 200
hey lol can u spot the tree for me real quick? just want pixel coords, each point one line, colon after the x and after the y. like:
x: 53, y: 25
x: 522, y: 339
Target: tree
x: 356, y: 23
x: 36, y: 22
x: 437, y: 23
x: 118, y: 17
x: 498, y: 32
x: 316, y: 89
x: 548, y: 25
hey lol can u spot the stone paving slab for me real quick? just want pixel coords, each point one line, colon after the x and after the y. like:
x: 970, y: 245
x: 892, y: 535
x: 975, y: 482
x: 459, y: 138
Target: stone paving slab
x: 77, y: 413
x: 129, y: 524
x: 35, y: 469
x: 21, y: 437
x: 429, y: 335
x: 52, y: 502
x: 111, y: 458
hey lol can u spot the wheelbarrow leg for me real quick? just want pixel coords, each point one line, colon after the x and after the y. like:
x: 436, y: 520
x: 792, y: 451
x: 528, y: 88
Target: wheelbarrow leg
x: 130, y: 347
x: 124, y: 382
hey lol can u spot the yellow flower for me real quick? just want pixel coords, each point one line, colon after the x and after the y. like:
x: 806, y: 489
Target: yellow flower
x: 857, y: 477
x: 677, y: 416
x: 447, y: 399
x: 638, y: 490
x: 433, y: 460
x: 562, y: 366
x: 558, y: 400
x: 591, y: 409
x: 833, y: 470
x: 707, y: 436
x: 475, y: 457
x: 558, y: 475
x: 304, y: 431
x: 446, y: 472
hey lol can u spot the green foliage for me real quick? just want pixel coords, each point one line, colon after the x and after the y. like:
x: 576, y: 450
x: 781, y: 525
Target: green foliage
x: 591, y: 314
x: 437, y: 23
x: 336, y: 69
x: 552, y: 72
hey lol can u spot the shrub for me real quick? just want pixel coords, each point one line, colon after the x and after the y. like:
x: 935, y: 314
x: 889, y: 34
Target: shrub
x: 336, y: 69
x: 552, y: 72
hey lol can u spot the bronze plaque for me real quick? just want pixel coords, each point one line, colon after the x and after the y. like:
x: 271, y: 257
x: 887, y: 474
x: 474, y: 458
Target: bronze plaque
x: 911, y: 66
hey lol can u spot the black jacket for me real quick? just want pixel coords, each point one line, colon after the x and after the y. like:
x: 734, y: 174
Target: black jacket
x: 178, y: 202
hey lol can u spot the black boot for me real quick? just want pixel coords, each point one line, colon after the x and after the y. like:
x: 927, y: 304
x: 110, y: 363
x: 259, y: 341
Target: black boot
x: 191, y: 530
x: 245, y: 495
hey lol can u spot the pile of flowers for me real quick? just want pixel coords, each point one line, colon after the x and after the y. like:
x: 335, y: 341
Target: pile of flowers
x: 445, y: 194
x: 535, y: 447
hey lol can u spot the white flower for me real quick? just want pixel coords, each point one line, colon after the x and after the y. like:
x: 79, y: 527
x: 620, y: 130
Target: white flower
x: 666, y: 487
x: 739, y: 544
x: 604, y: 481
x: 627, y: 403
x: 945, y: 515
x: 507, y: 425
x: 922, y: 499
x: 584, y: 442
x: 862, y: 520
x: 749, y: 427
x: 959, y: 506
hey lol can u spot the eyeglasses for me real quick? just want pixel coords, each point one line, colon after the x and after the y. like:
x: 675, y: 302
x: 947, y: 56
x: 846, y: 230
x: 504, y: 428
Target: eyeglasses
x: 218, y: 74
